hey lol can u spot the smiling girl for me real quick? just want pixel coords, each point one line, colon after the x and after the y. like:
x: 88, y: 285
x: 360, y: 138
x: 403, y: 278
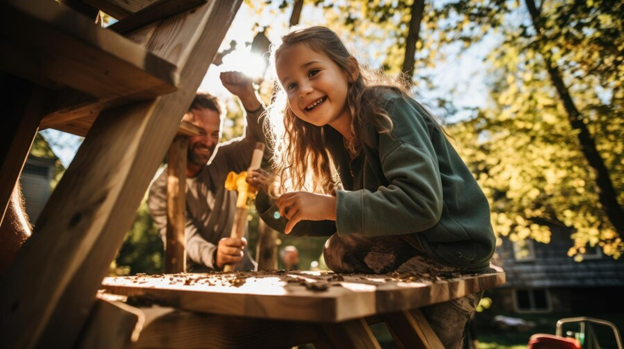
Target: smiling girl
x: 365, y: 164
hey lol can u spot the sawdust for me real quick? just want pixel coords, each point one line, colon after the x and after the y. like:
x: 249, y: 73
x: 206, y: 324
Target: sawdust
x: 316, y: 282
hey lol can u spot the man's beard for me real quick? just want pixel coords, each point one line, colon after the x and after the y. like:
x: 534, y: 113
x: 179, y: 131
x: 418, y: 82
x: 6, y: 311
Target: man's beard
x: 199, y: 158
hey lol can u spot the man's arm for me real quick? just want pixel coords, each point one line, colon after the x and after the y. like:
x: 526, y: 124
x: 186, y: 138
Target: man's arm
x: 237, y: 152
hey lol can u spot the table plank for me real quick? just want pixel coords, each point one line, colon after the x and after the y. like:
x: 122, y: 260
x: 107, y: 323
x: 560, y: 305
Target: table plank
x: 269, y: 295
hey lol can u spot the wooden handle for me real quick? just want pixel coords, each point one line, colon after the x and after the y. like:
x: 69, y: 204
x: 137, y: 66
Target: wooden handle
x: 238, y: 231
x: 240, y: 218
x: 256, y: 158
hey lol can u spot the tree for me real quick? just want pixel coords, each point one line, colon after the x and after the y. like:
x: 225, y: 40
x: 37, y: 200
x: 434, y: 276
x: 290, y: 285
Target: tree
x: 555, y: 90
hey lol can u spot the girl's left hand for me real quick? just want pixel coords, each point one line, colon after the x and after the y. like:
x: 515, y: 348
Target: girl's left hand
x: 301, y: 205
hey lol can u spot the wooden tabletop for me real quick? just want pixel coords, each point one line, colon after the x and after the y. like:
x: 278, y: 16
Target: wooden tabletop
x: 300, y: 296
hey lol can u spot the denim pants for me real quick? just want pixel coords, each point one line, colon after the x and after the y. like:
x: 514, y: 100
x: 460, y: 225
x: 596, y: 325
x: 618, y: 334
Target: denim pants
x: 355, y: 253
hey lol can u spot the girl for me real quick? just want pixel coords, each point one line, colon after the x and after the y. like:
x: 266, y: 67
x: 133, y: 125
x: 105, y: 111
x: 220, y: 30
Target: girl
x: 362, y: 162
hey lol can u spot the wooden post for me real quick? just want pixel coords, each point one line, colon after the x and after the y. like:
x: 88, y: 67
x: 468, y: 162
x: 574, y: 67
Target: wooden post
x: 266, y: 251
x: 175, y: 256
x: 47, y: 293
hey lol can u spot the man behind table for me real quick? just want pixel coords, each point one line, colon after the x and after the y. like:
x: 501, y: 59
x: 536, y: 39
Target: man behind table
x: 210, y: 208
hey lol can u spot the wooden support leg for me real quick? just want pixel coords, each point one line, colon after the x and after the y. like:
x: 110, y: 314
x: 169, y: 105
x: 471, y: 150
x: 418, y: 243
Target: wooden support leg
x: 410, y: 329
x: 348, y: 334
x: 20, y: 114
x: 175, y: 256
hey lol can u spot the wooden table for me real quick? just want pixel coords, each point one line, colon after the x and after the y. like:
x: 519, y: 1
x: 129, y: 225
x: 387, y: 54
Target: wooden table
x: 282, y: 309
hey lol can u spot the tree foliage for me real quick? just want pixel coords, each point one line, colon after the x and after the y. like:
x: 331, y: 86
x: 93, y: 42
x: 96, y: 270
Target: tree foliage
x: 527, y: 156
x: 521, y: 147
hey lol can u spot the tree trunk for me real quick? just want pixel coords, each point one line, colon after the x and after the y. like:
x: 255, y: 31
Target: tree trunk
x: 416, y: 10
x: 606, y: 192
x: 296, y: 13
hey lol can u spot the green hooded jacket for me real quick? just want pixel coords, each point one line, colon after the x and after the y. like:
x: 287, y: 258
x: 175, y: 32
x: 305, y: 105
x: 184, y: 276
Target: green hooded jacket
x: 409, y: 182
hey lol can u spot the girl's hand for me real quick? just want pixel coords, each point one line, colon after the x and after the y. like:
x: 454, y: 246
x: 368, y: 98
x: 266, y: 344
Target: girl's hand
x: 260, y: 179
x: 301, y: 205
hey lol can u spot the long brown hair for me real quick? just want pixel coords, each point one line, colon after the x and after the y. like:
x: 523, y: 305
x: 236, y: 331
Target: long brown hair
x: 301, y: 159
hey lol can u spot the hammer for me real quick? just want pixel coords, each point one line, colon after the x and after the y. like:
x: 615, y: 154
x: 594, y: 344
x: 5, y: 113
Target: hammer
x: 246, y: 196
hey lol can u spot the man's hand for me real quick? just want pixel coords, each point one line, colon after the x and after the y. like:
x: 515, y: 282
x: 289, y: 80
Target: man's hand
x: 230, y: 251
x: 301, y: 205
x: 260, y: 179
x: 241, y: 86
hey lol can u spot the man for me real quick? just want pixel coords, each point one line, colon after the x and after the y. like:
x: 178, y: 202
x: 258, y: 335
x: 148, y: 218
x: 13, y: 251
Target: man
x: 210, y: 208
x: 290, y: 257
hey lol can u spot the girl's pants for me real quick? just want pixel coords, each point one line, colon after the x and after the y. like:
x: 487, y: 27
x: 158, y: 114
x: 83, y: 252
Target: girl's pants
x: 355, y: 253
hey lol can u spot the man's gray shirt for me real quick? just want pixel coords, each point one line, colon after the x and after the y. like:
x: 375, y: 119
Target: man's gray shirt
x: 210, y: 208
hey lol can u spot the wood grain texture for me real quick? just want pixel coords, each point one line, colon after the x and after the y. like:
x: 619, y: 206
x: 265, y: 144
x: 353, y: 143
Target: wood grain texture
x: 152, y: 13
x: 65, y: 48
x: 180, y: 329
x: 120, y: 8
x: 188, y: 129
x: 21, y: 113
x: 274, y: 296
x: 86, y: 218
x: 175, y: 256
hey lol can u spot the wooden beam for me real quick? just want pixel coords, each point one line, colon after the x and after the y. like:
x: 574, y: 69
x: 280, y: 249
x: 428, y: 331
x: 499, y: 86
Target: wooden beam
x: 188, y: 129
x: 152, y: 13
x: 120, y: 8
x: 45, y: 297
x: 111, y: 325
x: 410, y: 329
x: 175, y: 252
x: 52, y: 45
x: 21, y: 113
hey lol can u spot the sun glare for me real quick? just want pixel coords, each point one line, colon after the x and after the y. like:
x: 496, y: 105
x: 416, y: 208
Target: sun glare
x: 250, y: 64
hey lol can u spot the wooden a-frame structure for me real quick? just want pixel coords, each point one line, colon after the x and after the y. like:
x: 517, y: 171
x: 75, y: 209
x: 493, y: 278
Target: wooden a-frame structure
x: 58, y: 69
